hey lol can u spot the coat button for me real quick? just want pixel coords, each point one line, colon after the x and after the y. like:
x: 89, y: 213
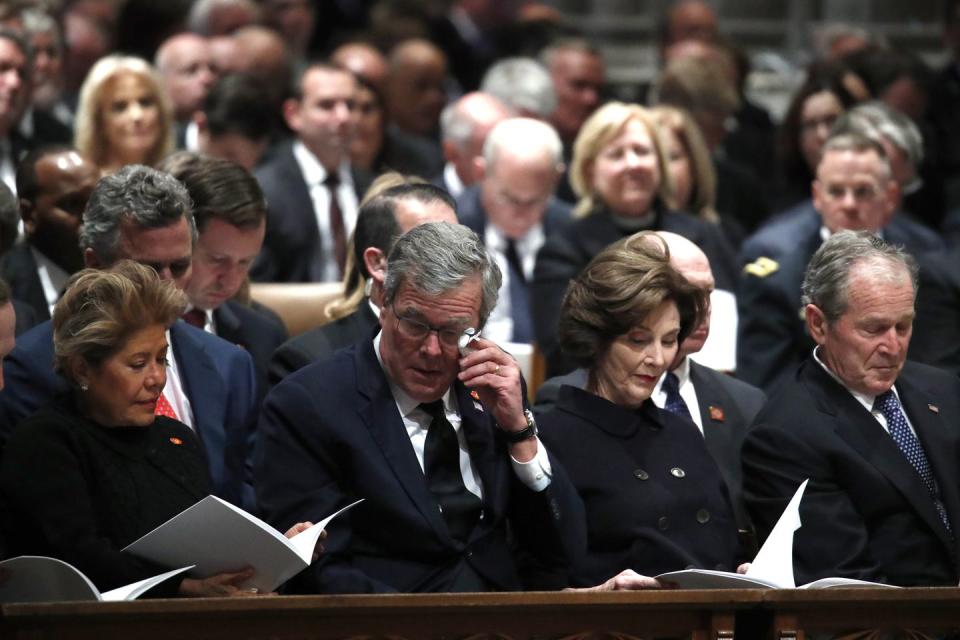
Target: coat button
x: 677, y: 472
x: 703, y: 516
x: 663, y: 523
x: 640, y: 474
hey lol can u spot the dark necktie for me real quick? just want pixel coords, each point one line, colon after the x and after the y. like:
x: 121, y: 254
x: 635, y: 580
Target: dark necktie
x: 337, y: 231
x: 888, y: 404
x: 519, y: 296
x: 675, y: 403
x: 441, y: 465
x: 196, y: 317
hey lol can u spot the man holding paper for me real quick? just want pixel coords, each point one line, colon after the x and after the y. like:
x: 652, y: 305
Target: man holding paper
x: 877, y: 436
x: 430, y: 430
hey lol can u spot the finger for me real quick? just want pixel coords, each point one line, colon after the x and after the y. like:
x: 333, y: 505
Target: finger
x: 323, y: 535
x: 491, y: 352
x: 635, y: 582
x: 232, y: 578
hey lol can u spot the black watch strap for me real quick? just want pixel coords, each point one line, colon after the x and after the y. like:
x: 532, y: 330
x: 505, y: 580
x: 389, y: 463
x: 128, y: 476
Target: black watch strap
x: 515, y: 437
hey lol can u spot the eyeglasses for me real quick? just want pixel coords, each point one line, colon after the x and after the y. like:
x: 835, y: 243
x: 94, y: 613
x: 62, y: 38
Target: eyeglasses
x: 417, y: 330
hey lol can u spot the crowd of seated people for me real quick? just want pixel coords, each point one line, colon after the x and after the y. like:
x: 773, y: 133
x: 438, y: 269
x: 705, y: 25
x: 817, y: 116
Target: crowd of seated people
x: 465, y: 174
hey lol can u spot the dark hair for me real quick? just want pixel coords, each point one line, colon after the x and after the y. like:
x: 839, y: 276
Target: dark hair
x: 9, y: 218
x: 620, y: 287
x: 27, y: 185
x: 22, y: 43
x: 821, y: 76
x: 296, y: 91
x: 219, y: 189
x: 238, y: 103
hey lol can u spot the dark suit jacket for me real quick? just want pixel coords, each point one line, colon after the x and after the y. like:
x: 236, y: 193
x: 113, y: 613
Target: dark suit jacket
x: 723, y: 431
x: 654, y: 498
x: 866, y: 513
x: 291, y: 249
x: 936, y: 328
x: 218, y: 378
x: 336, y: 428
x: 320, y: 343
x: 772, y: 337
x: 19, y: 269
x: 565, y: 254
x: 254, y: 331
x: 92, y: 490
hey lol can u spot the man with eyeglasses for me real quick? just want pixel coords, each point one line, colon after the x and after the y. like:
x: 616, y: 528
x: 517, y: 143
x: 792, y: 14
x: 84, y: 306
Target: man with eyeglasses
x: 430, y: 431
x: 513, y: 210
x: 855, y: 190
x: 144, y: 215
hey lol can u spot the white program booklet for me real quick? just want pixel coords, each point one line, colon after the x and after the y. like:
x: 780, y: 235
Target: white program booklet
x: 773, y: 566
x: 218, y: 537
x: 42, y: 579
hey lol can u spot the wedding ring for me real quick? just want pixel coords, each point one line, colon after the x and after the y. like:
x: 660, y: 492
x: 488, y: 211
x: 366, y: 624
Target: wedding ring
x: 496, y: 371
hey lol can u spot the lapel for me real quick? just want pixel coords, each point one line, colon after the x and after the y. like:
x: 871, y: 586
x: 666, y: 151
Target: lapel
x: 478, y: 431
x: 202, y: 383
x: 382, y: 419
x: 25, y: 280
x: 856, y: 426
x: 719, y: 415
x: 228, y: 324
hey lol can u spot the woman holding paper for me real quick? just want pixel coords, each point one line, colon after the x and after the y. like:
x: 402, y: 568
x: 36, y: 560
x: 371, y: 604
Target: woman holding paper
x: 655, y: 499
x: 100, y: 467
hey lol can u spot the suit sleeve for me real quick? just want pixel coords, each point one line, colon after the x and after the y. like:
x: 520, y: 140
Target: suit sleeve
x: 834, y: 537
x: 286, y: 359
x: 241, y: 423
x: 298, y: 479
x: 766, y: 350
x: 557, y: 263
x: 938, y: 316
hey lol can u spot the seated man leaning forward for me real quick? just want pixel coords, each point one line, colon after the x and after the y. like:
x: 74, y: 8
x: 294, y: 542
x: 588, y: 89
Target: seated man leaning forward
x: 877, y: 436
x: 437, y: 443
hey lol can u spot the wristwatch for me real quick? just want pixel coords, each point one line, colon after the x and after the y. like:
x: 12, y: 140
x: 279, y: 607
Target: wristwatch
x: 514, y: 437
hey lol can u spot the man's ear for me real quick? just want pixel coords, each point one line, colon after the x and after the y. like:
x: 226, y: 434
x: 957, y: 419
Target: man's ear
x: 291, y: 113
x: 91, y: 260
x: 479, y: 167
x: 376, y: 263
x: 816, y: 323
x: 27, y: 215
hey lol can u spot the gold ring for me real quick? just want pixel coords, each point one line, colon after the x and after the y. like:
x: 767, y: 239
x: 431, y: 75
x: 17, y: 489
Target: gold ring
x: 496, y: 371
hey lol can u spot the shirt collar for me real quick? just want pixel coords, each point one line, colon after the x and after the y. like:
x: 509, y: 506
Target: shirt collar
x: 313, y: 172
x: 405, y: 403
x: 865, y: 399
x: 682, y: 371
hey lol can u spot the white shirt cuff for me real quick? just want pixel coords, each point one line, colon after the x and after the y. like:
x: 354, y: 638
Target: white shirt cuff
x: 537, y: 473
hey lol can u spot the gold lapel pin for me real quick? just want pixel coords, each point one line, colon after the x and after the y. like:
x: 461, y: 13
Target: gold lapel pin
x: 716, y: 413
x: 933, y: 408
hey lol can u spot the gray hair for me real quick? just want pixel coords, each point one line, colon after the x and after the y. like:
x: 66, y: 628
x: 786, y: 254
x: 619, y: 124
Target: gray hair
x: 523, y: 84
x: 877, y: 121
x: 199, y: 19
x: 37, y: 21
x: 827, y: 279
x: 525, y: 134
x: 859, y: 143
x: 149, y: 198
x: 437, y: 257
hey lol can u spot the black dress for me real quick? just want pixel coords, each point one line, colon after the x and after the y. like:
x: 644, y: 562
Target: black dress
x: 654, y: 497
x: 75, y: 490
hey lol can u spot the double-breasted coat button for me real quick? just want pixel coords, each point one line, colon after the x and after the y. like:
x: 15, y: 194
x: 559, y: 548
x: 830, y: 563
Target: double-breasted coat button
x: 677, y: 472
x: 663, y: 523
x: 703, y: 516
x: 640, y: 474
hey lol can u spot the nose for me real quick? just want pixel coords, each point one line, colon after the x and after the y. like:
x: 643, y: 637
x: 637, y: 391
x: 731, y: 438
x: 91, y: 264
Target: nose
x: 431, y: 345
x: 156, y: 377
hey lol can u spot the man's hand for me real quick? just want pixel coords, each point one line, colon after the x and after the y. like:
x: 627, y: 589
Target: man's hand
x: 626, y: 580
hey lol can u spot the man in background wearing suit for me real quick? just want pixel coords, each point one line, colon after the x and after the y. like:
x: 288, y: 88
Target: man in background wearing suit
x: 434, y: 439
x: 54, y: 185
x: 144, y: 215
x: 311, y: 189
x: 513, y: 211
x: 380, y: 222
x: 876, y: 436
x: 722, y: 407
x: 231, y: 216
x: 855, y: 189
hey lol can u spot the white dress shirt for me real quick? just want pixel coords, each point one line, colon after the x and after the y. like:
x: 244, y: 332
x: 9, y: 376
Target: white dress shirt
x: 866, y: 400
x: 314, y: 175
x: 499, y: 327
x: 687, y: 392
x: 173, y: 390
x: 452, y: 180
x: 535, y: 474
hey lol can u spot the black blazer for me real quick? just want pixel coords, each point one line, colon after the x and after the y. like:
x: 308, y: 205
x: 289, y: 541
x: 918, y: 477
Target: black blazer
x: 654, y: 498
x: 565, y: 254
x: 727, y: 409
x: 866, y: 513
x: 936, y: 329
x: 254, y: 331
x: 320, y: 343
x: 291, y: 248
x: 92, y: 490
x: 19, y: 269
x: 331, y: 433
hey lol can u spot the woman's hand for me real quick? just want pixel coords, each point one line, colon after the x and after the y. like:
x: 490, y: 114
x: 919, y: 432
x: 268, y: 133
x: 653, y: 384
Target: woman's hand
x: 221, y: 585
x: 300, y: 527
x: 626, y: 580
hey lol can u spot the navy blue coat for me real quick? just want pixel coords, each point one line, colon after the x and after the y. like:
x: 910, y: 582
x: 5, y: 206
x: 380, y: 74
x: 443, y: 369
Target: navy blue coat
x: 654, y: 497
x: 331, y: 433
x: 218, y: 378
